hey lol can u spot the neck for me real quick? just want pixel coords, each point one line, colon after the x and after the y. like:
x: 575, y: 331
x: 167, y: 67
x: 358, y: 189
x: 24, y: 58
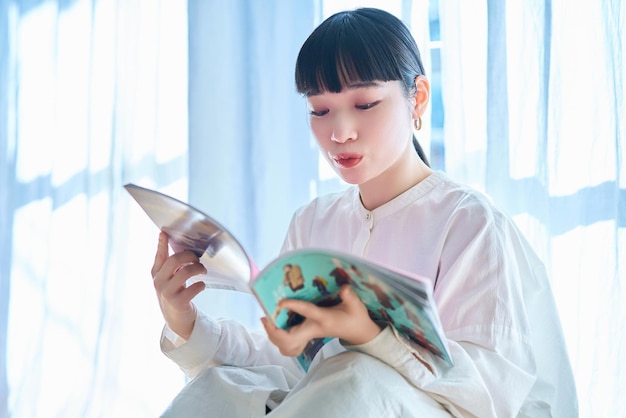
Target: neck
x: 399, y: 178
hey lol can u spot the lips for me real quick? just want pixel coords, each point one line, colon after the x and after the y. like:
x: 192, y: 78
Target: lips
x: 347, y: 160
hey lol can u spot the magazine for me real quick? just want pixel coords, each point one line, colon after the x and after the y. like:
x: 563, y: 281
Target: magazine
x: 312, y: 274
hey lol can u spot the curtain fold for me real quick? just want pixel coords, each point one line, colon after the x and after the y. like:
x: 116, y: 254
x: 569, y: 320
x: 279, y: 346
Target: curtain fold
x: 252, y: 162
x: 92, y: 95
x: 7, y: 168
x: 546, y: 140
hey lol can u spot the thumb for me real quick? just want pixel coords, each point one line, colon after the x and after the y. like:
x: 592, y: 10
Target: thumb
x: 348, y: 295
x: 351, y: 300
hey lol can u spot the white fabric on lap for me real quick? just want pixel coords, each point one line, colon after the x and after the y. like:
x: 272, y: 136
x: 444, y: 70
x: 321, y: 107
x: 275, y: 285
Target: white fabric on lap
x: 226, y: 391
x: 353, y: 384
x: 345, y: 385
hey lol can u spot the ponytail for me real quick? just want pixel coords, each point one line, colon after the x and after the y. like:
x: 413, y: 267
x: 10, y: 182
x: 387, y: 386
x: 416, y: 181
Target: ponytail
x: 420, y: 151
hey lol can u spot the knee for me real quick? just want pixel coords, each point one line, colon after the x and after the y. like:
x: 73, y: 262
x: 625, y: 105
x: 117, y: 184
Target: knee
x: 357, y: 370
x: 338, y: 386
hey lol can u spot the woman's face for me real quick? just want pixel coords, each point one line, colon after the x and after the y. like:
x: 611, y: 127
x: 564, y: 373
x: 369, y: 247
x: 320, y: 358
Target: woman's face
x: 365, y: 130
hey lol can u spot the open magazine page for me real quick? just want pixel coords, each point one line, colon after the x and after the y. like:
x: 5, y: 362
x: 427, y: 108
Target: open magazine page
x: 317, y: 276
x: 228, y: 266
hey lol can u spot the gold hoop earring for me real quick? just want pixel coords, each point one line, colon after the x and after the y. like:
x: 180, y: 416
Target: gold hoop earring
x: 417, y: 123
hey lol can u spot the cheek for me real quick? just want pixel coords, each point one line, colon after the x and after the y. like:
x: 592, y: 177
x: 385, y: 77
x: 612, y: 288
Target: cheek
x: 391, y: 135
x: 320, y: 131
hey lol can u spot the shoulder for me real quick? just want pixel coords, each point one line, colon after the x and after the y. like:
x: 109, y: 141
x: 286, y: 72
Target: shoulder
x: 470, y: 213
x: 463, y: 200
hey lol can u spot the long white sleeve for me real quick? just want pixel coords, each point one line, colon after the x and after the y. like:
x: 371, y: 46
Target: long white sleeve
x: 461, y: 388
x: 225, y: 342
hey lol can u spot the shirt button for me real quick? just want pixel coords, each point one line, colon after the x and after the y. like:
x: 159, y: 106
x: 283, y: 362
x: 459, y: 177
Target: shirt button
x: 368, y: 216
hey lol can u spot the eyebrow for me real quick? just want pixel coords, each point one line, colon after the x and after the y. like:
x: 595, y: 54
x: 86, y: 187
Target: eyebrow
x: 353, y: 86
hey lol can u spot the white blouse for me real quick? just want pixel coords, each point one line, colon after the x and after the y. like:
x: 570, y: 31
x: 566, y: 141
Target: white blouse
x: 494, y: 299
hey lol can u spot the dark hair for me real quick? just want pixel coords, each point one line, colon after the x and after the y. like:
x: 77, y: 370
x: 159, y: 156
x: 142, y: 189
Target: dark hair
x: 359, y: 45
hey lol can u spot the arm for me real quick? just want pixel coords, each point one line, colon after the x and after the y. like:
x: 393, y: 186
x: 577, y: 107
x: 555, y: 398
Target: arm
x: 484, y: 315
x: 225, y: 342
x: 467, y: 389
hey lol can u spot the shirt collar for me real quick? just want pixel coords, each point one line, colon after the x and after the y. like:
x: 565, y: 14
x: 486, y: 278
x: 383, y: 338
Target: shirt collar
x: 397, y: 203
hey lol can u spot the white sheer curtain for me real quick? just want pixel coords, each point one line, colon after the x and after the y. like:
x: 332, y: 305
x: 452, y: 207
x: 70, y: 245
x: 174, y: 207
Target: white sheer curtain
x: 93, y: 94
x: 534, y: 115
x: 252, y: 162
x: 197, y: 100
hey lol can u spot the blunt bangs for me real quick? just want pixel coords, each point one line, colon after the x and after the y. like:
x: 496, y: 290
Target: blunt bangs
x: 349, y: 48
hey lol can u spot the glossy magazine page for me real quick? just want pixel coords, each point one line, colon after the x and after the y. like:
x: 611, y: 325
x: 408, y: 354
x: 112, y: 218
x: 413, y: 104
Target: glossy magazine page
x: 317, y: 275
x: 228, y: 265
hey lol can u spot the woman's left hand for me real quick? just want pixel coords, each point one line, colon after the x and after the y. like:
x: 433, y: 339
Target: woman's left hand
x: 348, y: 321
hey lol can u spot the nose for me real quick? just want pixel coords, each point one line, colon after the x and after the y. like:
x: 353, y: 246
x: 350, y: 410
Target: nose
x: 343, y: 130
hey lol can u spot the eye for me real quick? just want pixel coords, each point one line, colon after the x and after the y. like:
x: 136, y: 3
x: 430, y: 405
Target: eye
x: 318, y: 113
x: 367, y: 105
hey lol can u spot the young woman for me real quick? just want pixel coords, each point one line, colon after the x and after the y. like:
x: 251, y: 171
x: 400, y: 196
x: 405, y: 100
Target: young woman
x: 363, y: 78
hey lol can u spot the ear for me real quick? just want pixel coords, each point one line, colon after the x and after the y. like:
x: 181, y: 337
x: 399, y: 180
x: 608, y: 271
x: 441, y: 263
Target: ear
x: 422, y: 96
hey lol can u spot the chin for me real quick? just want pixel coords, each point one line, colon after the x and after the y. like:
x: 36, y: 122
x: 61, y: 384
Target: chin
x: 354, y: 176
x: 354, y: 180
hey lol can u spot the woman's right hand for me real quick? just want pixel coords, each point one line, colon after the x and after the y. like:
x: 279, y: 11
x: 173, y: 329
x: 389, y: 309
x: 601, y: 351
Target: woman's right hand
x: 170, y: 275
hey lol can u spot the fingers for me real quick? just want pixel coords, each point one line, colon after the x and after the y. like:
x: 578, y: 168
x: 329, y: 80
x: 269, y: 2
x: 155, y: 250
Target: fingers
x: 349, y: 303
x: 293, y: 341
x: 175, y: 297
x: 166, y: 265
x: 180, y: 298
x: 175, y: 271
x: 170, y: 273
x: 349, y: 298
x: 349, y: 320
x: 161, y: 254
x: 289, y: 342
x: 306, y: 309
x: 170, y: 277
